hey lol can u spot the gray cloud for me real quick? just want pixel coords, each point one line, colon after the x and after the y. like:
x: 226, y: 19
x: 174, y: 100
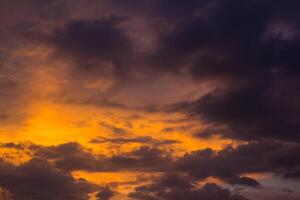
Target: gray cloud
x: 38, y: 179
x: 173, y: 187
x: 105, y: 193
x: 147, y: 140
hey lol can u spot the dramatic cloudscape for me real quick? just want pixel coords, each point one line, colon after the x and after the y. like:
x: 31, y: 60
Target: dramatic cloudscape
x: 149, y: 99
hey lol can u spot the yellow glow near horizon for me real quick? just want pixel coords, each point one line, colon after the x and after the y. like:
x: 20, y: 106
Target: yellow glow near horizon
x: 52, y: 124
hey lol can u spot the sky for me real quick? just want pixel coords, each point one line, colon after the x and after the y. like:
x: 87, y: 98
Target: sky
x: 149, y: 100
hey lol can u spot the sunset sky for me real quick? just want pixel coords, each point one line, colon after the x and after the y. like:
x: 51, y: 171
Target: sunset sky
x: 149, y: 99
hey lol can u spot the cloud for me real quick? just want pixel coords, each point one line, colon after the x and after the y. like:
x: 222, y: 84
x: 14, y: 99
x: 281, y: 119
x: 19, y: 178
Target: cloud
x: 231, y: 163
x: 233, y: 65
x: 147, y: 140
x: 114, y: 129
x: 174, y: 186
x: 14, y: 81
x: 105, y: 194
x: 72, y: 156
x: 95, y: 46
x: 255, y: 75
x: 32, y: 11
x: 158, y: 8
x: 144, y: 158
x: 38, y: 179
x: 256, y: 112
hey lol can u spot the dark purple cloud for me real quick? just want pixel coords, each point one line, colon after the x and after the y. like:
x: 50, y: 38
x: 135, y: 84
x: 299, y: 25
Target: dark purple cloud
x: 249, y: 50
x: 38, y: 179
x: 230, y: 164
x: 173, y: 187
x: 105, y: 193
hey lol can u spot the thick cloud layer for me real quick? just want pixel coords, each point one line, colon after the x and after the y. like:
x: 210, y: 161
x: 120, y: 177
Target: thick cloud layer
x: 38, y: 179
x: 231, y: 65
x: 173, y: 187
x: 251, y: 48
x: 229, y: 163
x: 105, y: 194
x: 72, y: 156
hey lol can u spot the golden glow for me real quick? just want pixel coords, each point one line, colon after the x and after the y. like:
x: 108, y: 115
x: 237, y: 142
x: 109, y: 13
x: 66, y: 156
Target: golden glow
x: 52, y: 121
